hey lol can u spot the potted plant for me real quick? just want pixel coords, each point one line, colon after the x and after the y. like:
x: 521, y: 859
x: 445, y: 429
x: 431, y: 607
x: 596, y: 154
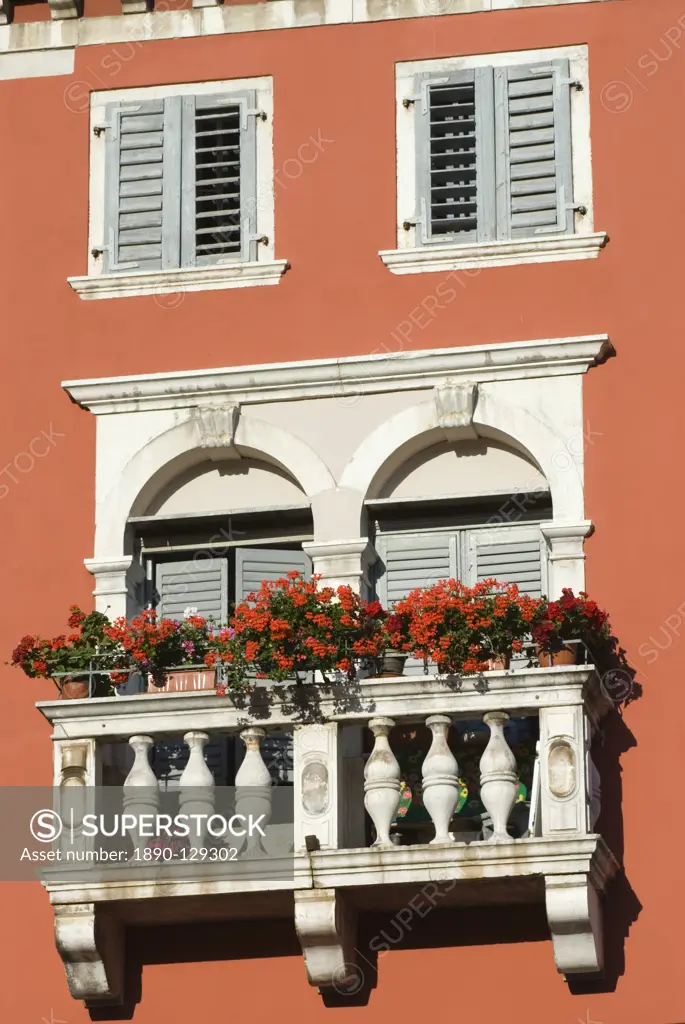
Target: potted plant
x: 291, y: 627
x: 446, y: 624
x: 397, y: 643
x: 570, y: 618
x: 165, y: 650
x: 509, y: 616
x: 80, y: 663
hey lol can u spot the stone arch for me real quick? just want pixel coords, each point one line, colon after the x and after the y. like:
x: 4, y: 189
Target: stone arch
x: 421, y: 425
x: 178, y: 448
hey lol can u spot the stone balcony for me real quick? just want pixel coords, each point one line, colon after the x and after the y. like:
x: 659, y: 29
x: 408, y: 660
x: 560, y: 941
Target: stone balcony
x: 336, y: 864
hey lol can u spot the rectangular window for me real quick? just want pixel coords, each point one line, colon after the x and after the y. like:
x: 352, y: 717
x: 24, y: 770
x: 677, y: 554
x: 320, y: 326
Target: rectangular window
x: 181, y: 189
x: 493, y: 161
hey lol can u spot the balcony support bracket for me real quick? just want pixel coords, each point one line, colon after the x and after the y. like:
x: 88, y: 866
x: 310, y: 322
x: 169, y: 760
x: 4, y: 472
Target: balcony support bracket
x: 574, y: 913
x: 326, y: 926
x: 91, y: 945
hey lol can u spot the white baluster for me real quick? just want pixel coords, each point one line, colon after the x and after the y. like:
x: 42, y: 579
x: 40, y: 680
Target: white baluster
x: 382, y: 785
x: 498, y: 776
x: 253, y: 795
x: 141, y: 789
x: 440, y: 780
x: 196, y: 787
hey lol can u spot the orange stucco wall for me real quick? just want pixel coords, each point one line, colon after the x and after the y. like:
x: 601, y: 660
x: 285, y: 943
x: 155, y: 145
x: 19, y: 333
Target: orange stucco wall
x: 338, y: 299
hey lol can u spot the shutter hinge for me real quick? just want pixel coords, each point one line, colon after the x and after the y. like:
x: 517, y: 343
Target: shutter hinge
x: 100, y: 129
x: 98, y: 250
x: 573, y: 83
x: 422, y: 96
x: 261, y: 115
x: 577, y: 207
x: 264, y: 239
x: 420, y: 221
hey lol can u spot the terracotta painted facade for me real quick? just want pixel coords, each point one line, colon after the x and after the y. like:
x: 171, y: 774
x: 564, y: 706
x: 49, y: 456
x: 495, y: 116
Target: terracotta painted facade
x: 335, y: 85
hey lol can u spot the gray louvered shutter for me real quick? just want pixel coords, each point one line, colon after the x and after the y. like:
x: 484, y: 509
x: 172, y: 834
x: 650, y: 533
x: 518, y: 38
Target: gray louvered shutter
x: 219, y: 186
x: 407, y: 561
x: 142, y: 185
x: 200, y: 583
x: 455, y: 168
x: 533, y: 142
x: 509, y: 554
x: 252, y: 566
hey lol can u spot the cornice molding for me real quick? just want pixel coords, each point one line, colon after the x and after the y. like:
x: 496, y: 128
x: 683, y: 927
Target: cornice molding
x: 340, y: 378
x: 226, y: 19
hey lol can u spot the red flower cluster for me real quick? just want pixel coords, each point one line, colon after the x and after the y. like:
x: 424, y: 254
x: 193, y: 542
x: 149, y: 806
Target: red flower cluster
x: 572, y: 618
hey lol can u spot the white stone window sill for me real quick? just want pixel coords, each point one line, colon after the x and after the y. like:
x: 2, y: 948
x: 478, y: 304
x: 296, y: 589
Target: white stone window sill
x: 190, y: 279
x: 428, y: 258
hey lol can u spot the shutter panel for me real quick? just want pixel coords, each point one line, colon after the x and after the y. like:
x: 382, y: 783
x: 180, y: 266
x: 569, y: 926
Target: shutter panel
x: 509, y: 554
x: 201, y: 583
x: 533, y: 139
x: 142, y: 185
x: 414, y: 560
x: 252, y: 565
x: 219, y: 207
x: 455, y: 157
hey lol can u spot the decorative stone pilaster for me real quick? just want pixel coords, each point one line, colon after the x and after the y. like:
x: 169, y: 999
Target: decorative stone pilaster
x: 141, y: 789
x: 325, y: 923
x: 498, y: 776
x: 315, y: 764
x: 91, y: 945
x: 564, y: 757
x: 574, y: 914
x: 343, y: 562
x: 440, y: 780
x: 382, y: 785
x: 565, y: 555
x: 76, y: 773
x: 196, y: 785
x: 118, y: 585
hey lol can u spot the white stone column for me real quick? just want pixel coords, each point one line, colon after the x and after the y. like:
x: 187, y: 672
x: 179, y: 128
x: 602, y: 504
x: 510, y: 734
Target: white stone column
x: 118, y: 585
x: 440, y: 779
x: 498, y: 776
x: 565, y: 555
x: 564, y: 755
x: 344, y: 562
x: 196, y: 786
x: 254, y: 789
x: 141, y: 789
x: 382, y: 785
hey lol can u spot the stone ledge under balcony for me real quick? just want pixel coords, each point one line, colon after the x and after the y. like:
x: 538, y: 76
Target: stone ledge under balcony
x: 329, y: 891
x: 400, y: 697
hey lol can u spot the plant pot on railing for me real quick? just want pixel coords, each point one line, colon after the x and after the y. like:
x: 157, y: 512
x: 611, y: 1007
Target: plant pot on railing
x: 499, y: 662
x: 183, y: 680
x: 392, y: 664
x: 565, y: 656
x: 80, y: 688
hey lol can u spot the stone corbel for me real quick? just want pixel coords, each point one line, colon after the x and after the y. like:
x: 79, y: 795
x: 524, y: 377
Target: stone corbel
x: 325, y: 924
x: 217, y: 426
x: 60, y: 9
x: 565, y: 554
x: 91, y: 945
x: 6, y: 11
x: 455, y: 406
x: 574, y: 914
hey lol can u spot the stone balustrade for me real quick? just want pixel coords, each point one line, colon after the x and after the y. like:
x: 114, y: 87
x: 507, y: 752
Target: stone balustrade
x: 346, y: 793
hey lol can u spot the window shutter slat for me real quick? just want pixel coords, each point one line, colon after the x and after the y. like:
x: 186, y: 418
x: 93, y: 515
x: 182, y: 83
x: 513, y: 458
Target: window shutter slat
x: 533, y: 143
x: 218, y: 179
x: 201, y: 584
x: 141, y: 185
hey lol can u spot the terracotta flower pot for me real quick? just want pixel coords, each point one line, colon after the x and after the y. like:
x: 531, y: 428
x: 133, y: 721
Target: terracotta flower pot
x: 566, y: 656
x: 185, y: 681
x: 499, y: 663
x: 75, y: 689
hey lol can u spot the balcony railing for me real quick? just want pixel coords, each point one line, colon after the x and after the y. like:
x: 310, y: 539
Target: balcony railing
x: 348, y: 851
